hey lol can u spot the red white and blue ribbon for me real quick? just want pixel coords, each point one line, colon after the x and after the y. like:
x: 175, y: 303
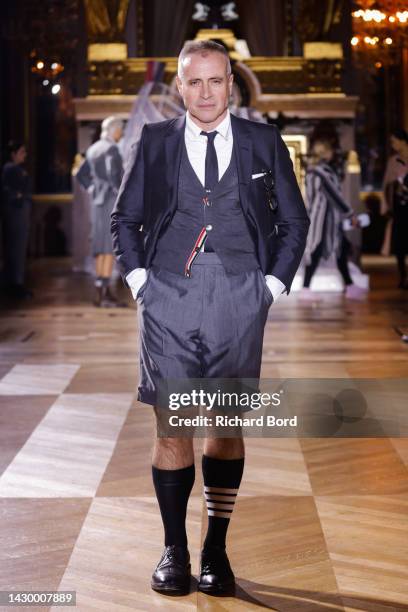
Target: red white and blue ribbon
x: 194, y: 253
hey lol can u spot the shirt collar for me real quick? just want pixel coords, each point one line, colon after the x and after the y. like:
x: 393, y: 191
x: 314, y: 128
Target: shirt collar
x: 194, y: 131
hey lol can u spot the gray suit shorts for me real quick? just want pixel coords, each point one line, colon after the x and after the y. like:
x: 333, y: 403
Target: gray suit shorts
x: 208, y: 326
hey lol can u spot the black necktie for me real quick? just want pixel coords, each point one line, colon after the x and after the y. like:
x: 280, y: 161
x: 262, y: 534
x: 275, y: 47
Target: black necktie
x: 211, y: 172
x: 211, y: 162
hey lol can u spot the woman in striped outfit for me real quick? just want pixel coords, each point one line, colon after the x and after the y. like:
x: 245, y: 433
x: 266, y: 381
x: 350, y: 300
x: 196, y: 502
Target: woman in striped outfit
x: 327, y: 209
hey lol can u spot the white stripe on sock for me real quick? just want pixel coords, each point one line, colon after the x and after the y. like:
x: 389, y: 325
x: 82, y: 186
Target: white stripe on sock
x: 220, y: 514
x: 217, y: 506
x: 220, y: 490
x: 221, y: 498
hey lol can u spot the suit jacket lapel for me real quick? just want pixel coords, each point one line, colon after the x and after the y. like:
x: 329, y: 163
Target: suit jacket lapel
x: 173, y: 147
x: 243, y: 156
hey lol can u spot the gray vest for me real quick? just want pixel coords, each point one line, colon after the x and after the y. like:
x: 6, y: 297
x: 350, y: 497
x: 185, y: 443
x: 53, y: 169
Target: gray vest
x: 223, y: 217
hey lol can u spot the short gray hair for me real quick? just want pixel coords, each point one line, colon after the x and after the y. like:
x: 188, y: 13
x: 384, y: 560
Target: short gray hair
x: 202, y: 46
x: 109, y: 125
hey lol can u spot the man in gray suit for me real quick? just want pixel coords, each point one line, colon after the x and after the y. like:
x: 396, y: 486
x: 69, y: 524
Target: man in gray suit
x: 206, y: 244
x: 101, y: 173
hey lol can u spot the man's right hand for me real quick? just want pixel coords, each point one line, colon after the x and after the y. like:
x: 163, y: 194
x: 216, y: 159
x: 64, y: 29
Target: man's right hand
x: 136, y: 279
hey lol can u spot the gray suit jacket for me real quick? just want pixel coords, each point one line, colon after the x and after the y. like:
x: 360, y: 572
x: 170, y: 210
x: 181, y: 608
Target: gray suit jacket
x: 101, y: 172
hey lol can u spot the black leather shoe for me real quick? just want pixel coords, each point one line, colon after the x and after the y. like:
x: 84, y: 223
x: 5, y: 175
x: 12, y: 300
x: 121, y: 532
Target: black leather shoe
x: 109, y: 301
x: 173, y: 572
x: 216, y: 575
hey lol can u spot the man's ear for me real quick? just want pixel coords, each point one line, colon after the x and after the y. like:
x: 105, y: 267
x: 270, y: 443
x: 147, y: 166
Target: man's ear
x: 230, y: 82
x: 179, y: 84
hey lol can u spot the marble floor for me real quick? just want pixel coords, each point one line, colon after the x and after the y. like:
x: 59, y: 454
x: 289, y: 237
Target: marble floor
x: 320, y: 523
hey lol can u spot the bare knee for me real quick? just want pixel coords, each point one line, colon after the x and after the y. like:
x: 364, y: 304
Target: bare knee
x: 173, y: 453
x: 224, y: 448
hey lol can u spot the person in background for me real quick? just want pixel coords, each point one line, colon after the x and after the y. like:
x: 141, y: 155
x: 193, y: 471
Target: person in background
x: 81, y: 221
x: 395, y: 169
x: 101, y: 174
x: 327, y: 209
x: 395, y: 199
x: 398, y: 196
x: 16, y: 211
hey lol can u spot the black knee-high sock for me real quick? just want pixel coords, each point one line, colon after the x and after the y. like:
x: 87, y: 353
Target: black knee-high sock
x: 222, y: 478
x: 173, y: 488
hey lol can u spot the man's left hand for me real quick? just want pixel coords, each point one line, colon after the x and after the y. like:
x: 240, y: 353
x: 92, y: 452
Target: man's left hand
x: 275, y: 286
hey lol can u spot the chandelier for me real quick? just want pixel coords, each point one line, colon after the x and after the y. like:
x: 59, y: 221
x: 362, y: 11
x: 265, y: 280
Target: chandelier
x: 380, y: 30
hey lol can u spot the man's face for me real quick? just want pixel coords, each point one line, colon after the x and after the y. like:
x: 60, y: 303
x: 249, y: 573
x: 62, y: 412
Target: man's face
x: 396, y: 143
x: 117, y: 134
x: 19, y: 156
x: 322, y: 151
x: 205, y: 87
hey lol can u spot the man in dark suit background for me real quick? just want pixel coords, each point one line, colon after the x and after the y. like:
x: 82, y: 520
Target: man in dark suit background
x: 205, y: 252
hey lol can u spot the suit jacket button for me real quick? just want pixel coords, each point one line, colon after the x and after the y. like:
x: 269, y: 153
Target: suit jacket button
x: 208, y: 228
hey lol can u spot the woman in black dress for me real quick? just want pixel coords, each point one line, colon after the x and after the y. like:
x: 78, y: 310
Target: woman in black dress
x: 16, y: 210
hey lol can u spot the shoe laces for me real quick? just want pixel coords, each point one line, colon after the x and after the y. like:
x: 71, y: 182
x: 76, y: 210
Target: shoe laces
x: 211, y: 559
x: 169, y: 556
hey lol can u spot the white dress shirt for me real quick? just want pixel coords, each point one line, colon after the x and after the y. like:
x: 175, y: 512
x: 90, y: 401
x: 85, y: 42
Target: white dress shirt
x: 196, y: 145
